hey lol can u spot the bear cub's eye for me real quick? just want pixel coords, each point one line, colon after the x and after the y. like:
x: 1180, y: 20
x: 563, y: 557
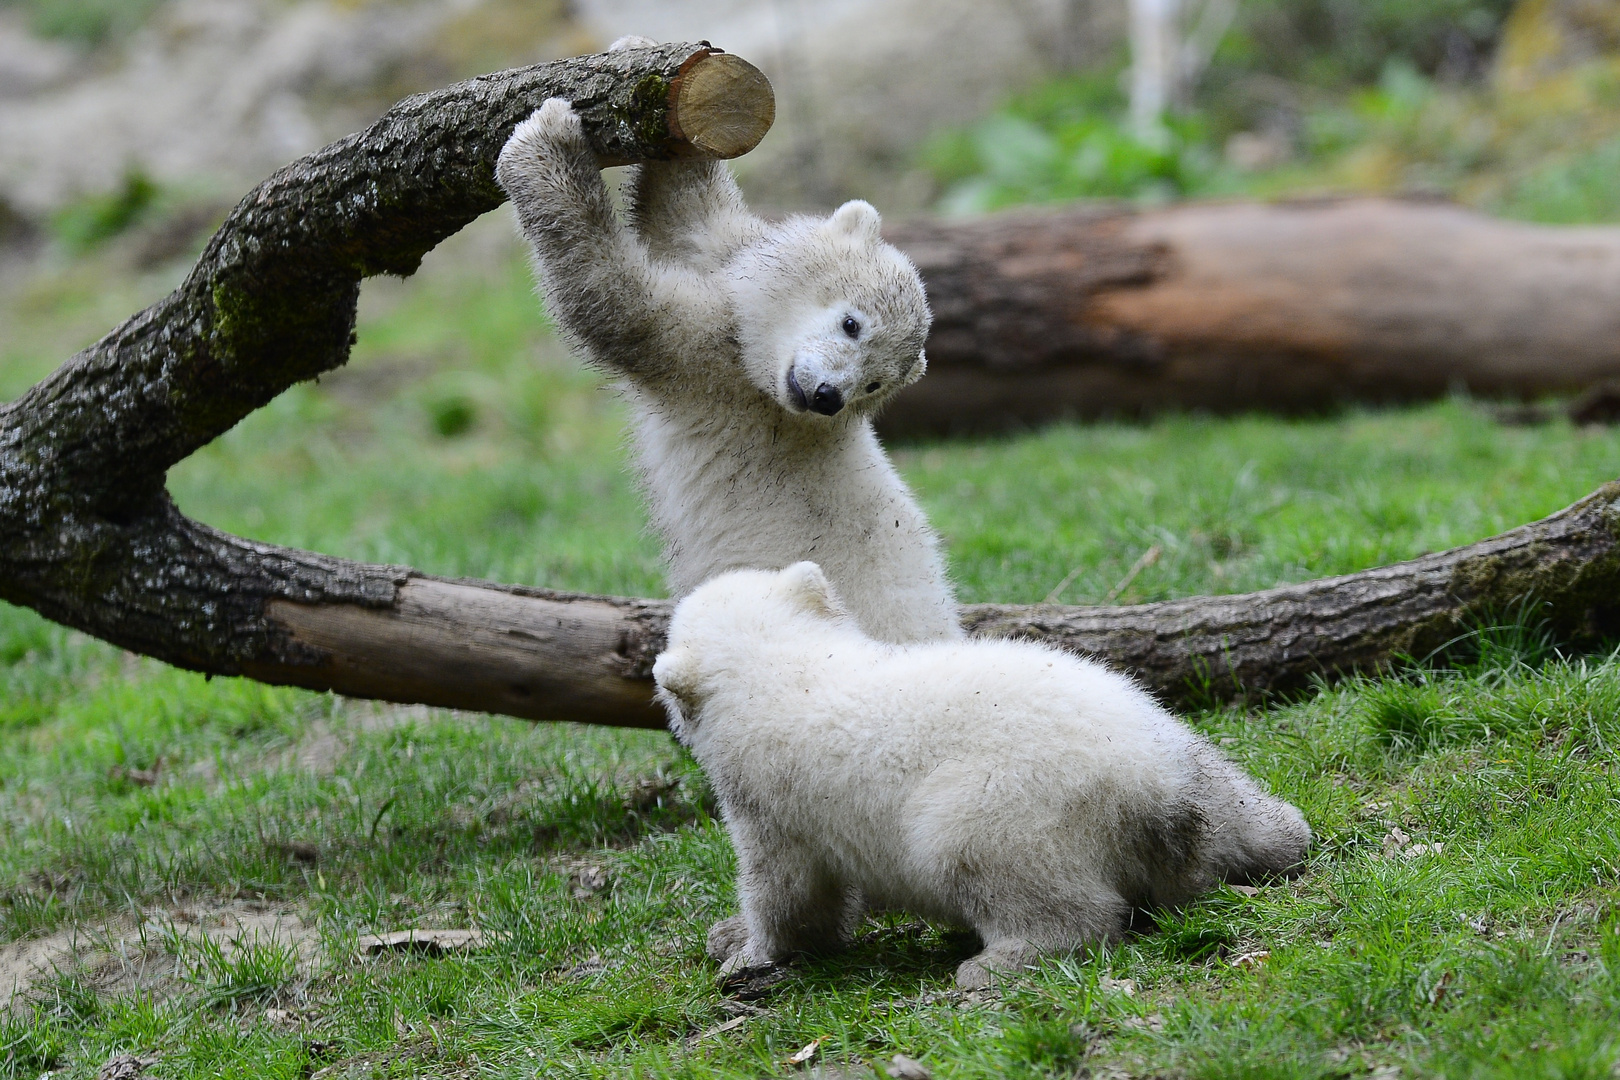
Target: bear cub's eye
x: 874, y: 387
x: 851, y: 327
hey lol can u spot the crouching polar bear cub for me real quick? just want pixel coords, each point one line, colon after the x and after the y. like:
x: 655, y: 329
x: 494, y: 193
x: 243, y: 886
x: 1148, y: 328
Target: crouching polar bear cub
x: 1036, y: 797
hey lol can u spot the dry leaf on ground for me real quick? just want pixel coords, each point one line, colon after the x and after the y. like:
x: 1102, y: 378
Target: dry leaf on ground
x: 806, y: 1054
x: 720, y: 1029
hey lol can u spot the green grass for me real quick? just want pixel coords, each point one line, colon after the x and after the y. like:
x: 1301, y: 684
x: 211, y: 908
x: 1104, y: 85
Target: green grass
x: 87, y: 22
x: 136, y: 801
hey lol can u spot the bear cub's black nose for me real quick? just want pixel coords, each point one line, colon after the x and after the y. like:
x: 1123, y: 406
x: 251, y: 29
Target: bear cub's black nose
x: 827, y: 399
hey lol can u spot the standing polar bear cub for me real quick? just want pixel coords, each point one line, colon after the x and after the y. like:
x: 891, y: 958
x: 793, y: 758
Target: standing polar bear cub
x: 1036, y: 797
x: 754, y: 355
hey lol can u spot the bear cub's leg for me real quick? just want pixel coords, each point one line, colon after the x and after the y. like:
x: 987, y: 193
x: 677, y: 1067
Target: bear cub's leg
x: 688, y: 212
x: 1014, y: 939
x: 727, y: 938
x: 790, y: 905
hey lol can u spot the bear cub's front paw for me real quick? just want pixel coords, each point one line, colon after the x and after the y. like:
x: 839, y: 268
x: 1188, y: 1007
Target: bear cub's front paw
x: 727, y: 938
x: 554, y: 121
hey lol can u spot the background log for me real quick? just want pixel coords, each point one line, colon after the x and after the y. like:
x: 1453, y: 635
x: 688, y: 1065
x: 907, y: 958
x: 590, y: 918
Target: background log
x: 1290, y: 307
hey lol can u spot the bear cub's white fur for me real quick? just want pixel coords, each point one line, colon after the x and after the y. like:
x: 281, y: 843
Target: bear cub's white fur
x: 754, y: 355
x: 1035, y: 797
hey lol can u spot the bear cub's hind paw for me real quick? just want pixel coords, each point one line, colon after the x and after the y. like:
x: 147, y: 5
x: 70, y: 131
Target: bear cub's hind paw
x: 997, y: 962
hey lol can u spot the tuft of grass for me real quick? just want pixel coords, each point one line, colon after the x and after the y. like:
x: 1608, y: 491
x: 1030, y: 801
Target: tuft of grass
x: 453, y: 416
x: 1409, y: 715
x: 238, y: 973
x: 30, y: 1044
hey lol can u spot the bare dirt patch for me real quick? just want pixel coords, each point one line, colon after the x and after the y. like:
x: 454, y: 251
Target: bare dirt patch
x: 124, y: 956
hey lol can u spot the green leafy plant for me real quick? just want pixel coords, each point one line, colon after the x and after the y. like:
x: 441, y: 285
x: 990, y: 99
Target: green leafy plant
x: 91, y: 22
x: 94, y: 219
x: 1337, y: 44
x: 1065, y: 140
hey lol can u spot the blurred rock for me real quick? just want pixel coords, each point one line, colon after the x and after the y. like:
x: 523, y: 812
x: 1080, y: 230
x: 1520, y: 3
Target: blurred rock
x: 1256, y: 151
x: 1599, y: 404
x: 14, y: 228
x: 217, y: 93
x: 27, y: 64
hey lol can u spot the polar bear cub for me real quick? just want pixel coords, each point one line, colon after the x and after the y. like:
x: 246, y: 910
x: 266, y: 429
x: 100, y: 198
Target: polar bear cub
x: 1035, y: 797
x: 754, y: 355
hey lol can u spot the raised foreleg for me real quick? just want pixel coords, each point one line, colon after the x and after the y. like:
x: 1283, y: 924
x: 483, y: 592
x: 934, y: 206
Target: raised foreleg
x: 690, y: 211
x: 595, y: 274
x: 687, y: 211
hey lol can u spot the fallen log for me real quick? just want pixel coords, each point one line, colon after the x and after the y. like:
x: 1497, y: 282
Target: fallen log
x: 555, y: 656
x: 90, y: 538
x: 1233, y: 307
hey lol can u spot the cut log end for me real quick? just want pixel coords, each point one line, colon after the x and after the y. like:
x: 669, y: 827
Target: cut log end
x: 721, y: 105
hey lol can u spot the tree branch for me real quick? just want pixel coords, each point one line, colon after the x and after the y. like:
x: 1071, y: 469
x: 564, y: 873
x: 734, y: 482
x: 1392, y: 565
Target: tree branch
x: 90, y: 538
x: 88, y: 535
x: 1219, y: 648
x: 549, y: 656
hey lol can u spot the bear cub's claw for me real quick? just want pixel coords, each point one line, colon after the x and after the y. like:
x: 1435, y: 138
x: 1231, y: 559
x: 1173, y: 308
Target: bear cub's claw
x: 555, y: 119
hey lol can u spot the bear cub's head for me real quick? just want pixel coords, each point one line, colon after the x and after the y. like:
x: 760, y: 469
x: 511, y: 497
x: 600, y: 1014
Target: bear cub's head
x: 722, y: 632
x: 831, y: 319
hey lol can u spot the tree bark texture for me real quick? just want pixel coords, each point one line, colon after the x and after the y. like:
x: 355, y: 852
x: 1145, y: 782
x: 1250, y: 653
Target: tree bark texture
x: 90, y: 538
x: 1291, y: 307
x: 88, y: 534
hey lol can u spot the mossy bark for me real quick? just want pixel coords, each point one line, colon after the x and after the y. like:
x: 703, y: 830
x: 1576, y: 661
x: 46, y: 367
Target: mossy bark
x: 88, y: 535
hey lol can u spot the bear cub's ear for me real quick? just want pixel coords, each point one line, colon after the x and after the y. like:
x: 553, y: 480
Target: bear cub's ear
x: 675, y: 672
x: 809, y: 588
x: 857, y: 219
